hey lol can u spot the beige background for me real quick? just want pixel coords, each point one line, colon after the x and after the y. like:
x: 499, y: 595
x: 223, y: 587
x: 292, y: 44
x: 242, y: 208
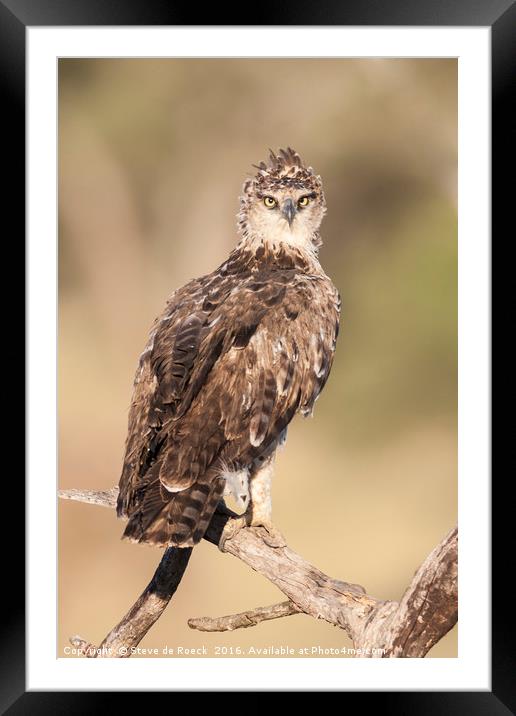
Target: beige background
x: 152, y: 155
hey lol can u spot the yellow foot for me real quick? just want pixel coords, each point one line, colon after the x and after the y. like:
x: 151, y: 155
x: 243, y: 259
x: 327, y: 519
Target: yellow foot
x: 231, y: 528
x: 270, y: 534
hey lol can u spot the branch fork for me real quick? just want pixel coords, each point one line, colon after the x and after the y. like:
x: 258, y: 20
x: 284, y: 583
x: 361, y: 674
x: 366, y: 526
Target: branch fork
x: 390, y: 629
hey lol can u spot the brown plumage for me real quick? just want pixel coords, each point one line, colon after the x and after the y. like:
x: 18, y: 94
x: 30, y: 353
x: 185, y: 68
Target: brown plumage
x: 230, y: 361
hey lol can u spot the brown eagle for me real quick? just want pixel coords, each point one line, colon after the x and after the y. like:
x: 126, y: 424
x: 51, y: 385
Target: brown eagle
x: 233, y: 357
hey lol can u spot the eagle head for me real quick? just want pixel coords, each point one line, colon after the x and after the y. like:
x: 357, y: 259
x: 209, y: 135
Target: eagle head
x: 283, y: 203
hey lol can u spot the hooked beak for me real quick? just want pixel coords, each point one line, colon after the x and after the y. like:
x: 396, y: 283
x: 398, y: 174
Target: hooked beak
x: 289, y: 211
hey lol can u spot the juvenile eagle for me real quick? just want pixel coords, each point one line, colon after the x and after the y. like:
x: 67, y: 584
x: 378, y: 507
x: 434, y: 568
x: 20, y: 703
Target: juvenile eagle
x: 233, y: 357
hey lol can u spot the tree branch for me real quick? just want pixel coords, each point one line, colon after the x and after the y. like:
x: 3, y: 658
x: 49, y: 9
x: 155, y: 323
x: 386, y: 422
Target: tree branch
x: 244, y: 619
x: 427, y: 611
x: 147, y: 609
x: 429, y: 607
x: 104, y: 498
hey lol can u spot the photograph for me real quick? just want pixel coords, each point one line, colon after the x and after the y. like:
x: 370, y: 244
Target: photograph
x: 257, y: 358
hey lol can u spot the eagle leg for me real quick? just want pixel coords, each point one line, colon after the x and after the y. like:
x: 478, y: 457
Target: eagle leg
x: 259, y: 511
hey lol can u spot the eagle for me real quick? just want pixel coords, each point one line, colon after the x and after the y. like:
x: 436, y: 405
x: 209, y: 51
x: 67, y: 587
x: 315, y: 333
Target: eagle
x: 234, y: 356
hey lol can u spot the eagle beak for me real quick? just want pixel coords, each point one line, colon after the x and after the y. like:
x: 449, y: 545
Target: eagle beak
x: 289, y: 211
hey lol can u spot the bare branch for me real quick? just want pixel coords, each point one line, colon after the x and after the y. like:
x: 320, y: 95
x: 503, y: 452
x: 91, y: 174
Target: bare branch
x: 150, y: 605
x: 147, y: 609
x: 104, y: 498
x: 429, y: 607
x: 244, y: 619
x: 83, y: 647
x: 313, y: 592
x: 411, y: 627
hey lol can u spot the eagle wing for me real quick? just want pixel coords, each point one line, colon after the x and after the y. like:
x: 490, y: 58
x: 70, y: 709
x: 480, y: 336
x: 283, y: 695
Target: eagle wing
x: 228, y: 364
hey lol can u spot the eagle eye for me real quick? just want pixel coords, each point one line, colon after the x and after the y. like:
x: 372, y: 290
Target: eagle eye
x: 304, y: 201
x: 269, y: 202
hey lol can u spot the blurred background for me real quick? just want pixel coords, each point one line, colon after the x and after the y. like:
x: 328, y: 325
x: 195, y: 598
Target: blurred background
x: 152, y: 156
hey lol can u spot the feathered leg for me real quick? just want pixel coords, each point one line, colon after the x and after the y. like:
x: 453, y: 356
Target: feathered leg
x: 259, y: 512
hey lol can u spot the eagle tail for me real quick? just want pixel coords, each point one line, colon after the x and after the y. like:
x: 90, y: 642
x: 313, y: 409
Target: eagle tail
x: 175, y: 519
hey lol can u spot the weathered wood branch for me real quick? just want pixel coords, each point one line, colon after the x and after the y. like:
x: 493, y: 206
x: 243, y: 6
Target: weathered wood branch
x: 243, y: 620
x: 426, y: 612
x: 104, y: 498
x: 147, y: 609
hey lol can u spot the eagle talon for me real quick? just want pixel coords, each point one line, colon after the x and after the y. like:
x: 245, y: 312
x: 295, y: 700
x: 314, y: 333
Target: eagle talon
x: 231, y: 529
x: 270, y: 534
x: 265, y: 529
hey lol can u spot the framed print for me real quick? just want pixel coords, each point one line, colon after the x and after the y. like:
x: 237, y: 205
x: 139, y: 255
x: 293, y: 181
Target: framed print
x: 225, y: 226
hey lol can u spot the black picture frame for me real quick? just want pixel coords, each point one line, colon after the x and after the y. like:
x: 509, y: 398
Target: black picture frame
x: 15, y: 17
